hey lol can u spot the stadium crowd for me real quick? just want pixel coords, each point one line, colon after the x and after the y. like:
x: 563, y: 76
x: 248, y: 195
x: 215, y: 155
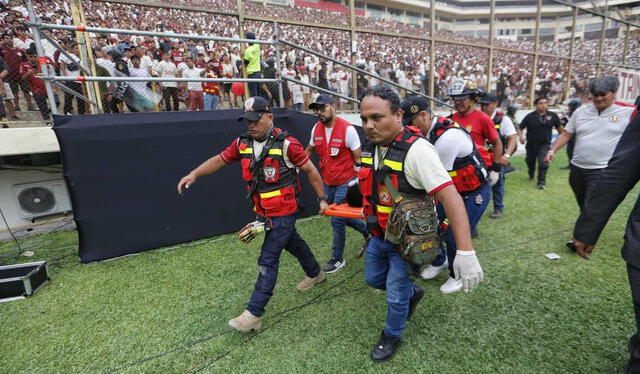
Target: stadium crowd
x: 403, y: 59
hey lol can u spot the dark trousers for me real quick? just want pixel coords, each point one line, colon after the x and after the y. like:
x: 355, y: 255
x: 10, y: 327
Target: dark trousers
x: 41, y: 101
x: 283, y: 235
x: 537, y: 152
x: 582, y: 182
x: 570, y: 146
x: 633, y: 366
x: 68, y: 98
x: 475, y: 203
x: 253, y: 87
x: 169, y: 93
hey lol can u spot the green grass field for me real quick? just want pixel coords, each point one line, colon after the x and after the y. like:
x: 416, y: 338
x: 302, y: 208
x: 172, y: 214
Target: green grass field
x: 166, y: 311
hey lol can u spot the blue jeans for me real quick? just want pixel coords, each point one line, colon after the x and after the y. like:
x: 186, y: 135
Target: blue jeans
x: 338, y: 195
x: 283, y: 234
x: 211, y: 102
x: 384, y: 269
x: 498, y: 192
x: 475, y: 203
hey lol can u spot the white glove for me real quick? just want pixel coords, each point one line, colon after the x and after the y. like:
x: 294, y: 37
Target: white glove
x: 494, y: 176
x: 467, y: 268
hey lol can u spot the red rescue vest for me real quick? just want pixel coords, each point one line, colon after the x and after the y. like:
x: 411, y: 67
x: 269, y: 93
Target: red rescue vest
x: 336, y: 159
x: 377, y: 202
x: 271, y: 183
x: 469, y: 172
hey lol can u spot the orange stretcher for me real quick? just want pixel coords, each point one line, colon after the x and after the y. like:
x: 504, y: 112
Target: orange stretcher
x: 344, y: 211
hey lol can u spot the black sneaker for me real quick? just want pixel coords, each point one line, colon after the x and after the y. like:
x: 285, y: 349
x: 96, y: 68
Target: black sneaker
x: 541, y: 186
x: 17, y: 108
x: 386, y: 347
x: 418, y: 293
x: 333, y: 265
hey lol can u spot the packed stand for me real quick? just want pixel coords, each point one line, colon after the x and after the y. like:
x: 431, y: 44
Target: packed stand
x: 400, y: 59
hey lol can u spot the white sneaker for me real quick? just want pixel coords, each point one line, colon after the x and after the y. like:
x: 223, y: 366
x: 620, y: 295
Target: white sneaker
x: 451, y: 285
x: 432, y: 271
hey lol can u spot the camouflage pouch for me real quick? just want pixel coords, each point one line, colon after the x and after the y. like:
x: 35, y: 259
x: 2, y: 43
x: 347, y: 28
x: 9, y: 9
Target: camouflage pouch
x: 413, y: 227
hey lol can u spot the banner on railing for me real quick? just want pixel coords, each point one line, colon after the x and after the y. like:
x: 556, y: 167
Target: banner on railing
x: 629, y: 85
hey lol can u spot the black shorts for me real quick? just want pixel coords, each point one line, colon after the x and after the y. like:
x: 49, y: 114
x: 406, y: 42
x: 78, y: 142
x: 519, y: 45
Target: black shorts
x: 227, y: 87
x: 15, y: 83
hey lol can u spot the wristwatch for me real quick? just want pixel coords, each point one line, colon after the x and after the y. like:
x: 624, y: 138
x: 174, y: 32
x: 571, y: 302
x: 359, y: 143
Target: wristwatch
x: 508, y: 156
x: 323, y: 197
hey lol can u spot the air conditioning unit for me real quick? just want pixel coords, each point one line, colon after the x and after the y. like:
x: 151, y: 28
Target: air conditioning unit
x: 41, y: 198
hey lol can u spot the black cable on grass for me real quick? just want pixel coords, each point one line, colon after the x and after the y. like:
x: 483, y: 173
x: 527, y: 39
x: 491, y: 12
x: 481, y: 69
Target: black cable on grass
x: 210, y: 361
x: 14, y: 238
x: 315, y: 300
x: 526, y: 241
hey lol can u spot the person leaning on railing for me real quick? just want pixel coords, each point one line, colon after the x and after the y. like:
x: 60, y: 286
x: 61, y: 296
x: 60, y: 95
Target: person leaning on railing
x: 252, y: 64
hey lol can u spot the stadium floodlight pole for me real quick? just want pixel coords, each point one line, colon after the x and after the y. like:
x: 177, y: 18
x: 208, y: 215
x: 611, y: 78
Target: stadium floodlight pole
x: 278, y: 67
x: 391, y: 83
x: 104, y: 30
x: 567, y: 88
x: 332, y: 93
x: 41, y: 59
x: 432, y: 52
x: 625, y: 50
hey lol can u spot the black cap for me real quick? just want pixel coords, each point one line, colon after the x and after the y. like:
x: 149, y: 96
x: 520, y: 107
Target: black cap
x: 323, y: 99
x: 489, y: 99
x: 574, y: 103
x: 250, y: 35
x: 411, y: 106
x: 253, y: 108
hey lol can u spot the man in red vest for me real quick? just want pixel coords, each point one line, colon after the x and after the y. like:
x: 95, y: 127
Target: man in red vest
x: 409, y: 163
x: 462, y: 161
x: 338, y: 147
x: 481, y: 128
x: 269, y: 158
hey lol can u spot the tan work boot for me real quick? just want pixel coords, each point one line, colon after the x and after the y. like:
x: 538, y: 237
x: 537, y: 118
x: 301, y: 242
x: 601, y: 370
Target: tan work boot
x: 246, y: 322
x: 308, y: 283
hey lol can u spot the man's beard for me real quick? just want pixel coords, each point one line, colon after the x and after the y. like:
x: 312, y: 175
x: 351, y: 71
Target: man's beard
x: 326, y: 120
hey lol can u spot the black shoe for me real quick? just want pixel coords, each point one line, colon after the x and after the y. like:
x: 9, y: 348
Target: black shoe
x: 386, y: 347
x: 541, y: 186
x: 418, y: 293
x: 17, y: 108
x: 333, y: 265
x: 571, y: 246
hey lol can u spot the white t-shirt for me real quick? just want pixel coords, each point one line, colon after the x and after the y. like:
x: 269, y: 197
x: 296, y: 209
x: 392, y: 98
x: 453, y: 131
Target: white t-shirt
x: 192, y: 73
x: 68, y: 62
x: 109, y: 65
x: 167, y: 69
x: 422, y: 166
x: 352, y: 140
x: 452, y: 144
x: 304, y: 79
x: 141, y: 87
x: 506, y: 126
x: 597, y: 134
x: 18, y: 43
